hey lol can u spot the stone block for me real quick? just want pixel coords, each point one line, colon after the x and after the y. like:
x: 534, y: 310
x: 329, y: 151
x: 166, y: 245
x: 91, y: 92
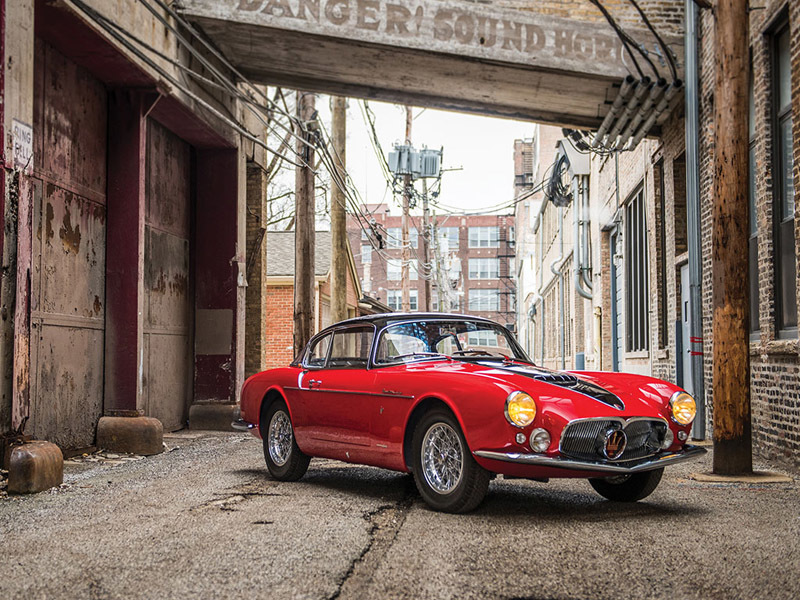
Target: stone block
x: 134, y: 435
x: 34, y: 467
x: 214, y: 417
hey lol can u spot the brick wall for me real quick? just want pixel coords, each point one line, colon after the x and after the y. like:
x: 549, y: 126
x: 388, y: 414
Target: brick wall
x: 775, y: 362
x: 280, y: 320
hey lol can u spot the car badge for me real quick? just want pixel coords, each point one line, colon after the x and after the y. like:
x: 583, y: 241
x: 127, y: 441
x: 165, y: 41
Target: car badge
x: 614, y: 444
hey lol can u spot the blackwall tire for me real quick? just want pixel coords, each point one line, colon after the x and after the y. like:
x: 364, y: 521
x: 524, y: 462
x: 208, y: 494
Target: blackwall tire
x: 446, y: 474
x: 633, y: 488
x: 284, y: 459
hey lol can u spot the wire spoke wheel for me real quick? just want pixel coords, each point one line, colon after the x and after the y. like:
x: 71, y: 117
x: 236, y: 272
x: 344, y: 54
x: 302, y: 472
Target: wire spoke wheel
x: 442, y: 458
x: 280, y: 438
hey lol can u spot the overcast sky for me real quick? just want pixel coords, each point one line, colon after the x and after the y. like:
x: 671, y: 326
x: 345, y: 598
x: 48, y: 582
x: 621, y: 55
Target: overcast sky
x: 482, y: 147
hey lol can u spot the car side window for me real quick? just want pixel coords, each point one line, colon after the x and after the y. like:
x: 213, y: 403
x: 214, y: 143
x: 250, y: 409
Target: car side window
x: 351, y: 348
x: 318, y: 352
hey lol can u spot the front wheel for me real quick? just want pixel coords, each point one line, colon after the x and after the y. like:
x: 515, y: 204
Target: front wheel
x: 446, y: 474
x: 284, y: 459
x: 628, y: 488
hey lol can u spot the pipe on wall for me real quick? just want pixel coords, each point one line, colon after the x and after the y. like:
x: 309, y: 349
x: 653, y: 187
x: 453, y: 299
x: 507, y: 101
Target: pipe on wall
x: 557, y: 268
x: 581, y: 241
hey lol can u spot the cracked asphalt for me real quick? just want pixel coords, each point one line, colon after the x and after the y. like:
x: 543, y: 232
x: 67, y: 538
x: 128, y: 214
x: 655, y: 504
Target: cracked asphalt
x: 205, y: 520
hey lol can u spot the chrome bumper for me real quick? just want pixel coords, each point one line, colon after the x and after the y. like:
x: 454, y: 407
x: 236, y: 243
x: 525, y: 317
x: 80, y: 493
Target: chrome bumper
x: 242, y: 425
x: 538, y: 460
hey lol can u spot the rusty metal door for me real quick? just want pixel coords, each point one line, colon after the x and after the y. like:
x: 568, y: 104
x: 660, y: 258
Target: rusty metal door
x: 167, y: 312
x: 68, y: 253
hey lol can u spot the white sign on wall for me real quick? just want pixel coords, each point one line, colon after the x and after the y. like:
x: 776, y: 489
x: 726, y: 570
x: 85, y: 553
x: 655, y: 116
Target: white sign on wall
x: 22, y: 136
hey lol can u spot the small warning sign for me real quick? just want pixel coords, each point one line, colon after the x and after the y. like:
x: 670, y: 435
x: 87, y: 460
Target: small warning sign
x: 23, y: 146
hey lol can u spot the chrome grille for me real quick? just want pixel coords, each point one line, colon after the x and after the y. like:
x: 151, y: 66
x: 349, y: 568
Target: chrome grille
x: 583, y: 439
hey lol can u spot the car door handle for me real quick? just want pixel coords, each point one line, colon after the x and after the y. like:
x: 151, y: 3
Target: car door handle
x: 313, y: 382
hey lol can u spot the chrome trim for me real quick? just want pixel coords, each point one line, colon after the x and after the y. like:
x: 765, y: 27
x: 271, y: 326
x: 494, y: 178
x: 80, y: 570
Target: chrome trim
x: 621, y: 420
x: 332, y: 330
x: 688, y: 453
x: 351, y: 392
x: 242, y: 425
x: 434, y: 317
x: 672, y: 414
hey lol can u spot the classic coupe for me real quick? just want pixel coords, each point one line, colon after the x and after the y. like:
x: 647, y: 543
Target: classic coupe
x: 454, y: 400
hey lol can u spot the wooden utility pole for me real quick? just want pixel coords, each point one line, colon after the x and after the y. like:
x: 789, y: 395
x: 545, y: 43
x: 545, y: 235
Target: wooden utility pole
x: 406, y: 252
x: 426, y: 303
x: 731, y: 356
x: 304, y: 227
x: 338, y: 213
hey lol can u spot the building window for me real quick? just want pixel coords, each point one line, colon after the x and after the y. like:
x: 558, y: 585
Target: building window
x: 511, y: 234
x: 394, y: 298
x: 636, y: 284
x: 753, y: 234
x: 484, y: 300
x: 484, y: 268
x: 482, y: 338
x: 786, y: 267
x: 394, y: 269
x: 366, y: 254
x: 364, y: 236
x: 451, y: 233
x: 395, y: 237
x: 484, y: 237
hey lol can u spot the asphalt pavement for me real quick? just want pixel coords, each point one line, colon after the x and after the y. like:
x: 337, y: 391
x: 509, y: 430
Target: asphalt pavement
x: 204, y: 520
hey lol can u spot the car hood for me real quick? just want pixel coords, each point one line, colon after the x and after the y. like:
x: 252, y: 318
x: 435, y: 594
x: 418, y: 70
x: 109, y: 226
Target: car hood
x: 622, y: 393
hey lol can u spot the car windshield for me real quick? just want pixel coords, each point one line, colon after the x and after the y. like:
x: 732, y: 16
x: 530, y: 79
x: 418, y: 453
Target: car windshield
x: 429, y: 340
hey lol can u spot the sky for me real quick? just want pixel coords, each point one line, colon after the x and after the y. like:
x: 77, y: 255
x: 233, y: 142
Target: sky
x: 482, y: 148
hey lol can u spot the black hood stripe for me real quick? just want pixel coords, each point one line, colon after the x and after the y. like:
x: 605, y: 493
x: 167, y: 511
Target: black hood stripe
x: 563, y: 380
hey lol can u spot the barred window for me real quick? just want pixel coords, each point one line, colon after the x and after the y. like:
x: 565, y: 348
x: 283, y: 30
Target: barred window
x: 636, y: 277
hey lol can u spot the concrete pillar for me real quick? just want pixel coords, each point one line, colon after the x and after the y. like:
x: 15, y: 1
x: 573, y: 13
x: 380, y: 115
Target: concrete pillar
x: 219, y: 287
x: 256, y: 297
x: 123, y: 428
x: 125, y: 252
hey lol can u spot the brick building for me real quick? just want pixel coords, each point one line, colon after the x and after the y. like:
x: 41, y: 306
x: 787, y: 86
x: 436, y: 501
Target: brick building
x: 472, y: 269
x: 636, y: 316
x: 279, y: 297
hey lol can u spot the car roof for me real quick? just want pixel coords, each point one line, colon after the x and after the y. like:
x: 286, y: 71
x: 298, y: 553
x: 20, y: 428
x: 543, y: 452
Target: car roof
x: 380, y: 320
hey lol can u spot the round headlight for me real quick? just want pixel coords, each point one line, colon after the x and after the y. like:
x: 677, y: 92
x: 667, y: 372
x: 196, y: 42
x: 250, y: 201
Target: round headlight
x: 520, y: 409
x: 540, y: 440
x: 683, y: 408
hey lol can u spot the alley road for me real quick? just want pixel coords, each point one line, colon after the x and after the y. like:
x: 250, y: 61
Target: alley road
x: 205, y: 521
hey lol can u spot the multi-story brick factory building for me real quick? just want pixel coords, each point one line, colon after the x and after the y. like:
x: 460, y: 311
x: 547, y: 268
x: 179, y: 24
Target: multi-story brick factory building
x: 471, y: 269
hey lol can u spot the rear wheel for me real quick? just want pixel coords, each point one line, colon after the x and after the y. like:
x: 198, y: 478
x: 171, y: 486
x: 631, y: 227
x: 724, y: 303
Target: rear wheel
x: 284, y: 459
x: 628, y: 488
x: 446, y: 474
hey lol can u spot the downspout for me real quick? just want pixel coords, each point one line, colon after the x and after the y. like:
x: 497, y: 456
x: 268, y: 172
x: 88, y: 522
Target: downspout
x: 693, y: 219
x: 579, y: 236
x: 559, y: 271
x: 538, y: 299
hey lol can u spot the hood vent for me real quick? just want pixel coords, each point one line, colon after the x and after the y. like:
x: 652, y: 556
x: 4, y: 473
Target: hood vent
x: 584, y: 387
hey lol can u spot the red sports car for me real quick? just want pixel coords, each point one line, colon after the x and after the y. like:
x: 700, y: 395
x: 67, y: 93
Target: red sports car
x: 454, y: 400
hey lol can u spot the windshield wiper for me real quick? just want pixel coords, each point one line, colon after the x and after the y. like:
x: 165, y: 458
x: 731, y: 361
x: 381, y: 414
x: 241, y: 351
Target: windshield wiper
x: 423, y: 354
